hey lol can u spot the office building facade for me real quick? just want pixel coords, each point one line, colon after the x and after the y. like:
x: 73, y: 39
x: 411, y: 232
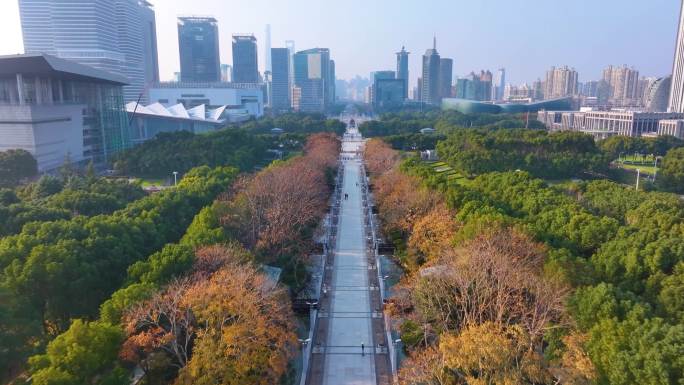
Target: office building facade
x: 403, y: 69
x: 312, y: 80
x: 430, y: 85
x: 198, y: 43
x: 117, y: 36
x: 58, y: 109
x: 446, y: 77
x: 280, y: 80
x: 245, y: 61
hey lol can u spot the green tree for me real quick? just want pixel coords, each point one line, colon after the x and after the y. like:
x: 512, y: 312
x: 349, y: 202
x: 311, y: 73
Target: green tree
x: 84, y: 353
x: 16, y: 165
x: 672, y: 170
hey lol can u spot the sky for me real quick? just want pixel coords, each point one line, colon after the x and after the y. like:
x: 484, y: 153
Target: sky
x: 524, y: 36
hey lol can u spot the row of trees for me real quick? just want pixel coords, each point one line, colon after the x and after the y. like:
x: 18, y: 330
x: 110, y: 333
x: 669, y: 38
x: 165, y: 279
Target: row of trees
x: 618, y: 249
x: 54, y: 198
x: 443, y: 121
x: 199, y: 311
x: 242, y: 145
x: 555, y: 155
x: 59, y: 270
x: 295, y: 123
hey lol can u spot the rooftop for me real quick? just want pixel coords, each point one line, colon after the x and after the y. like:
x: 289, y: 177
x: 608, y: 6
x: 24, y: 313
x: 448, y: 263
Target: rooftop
x: 48, y: 65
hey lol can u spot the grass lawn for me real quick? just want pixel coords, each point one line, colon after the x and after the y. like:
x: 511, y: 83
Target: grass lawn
x: 149, y: 182
x: 646, y: 168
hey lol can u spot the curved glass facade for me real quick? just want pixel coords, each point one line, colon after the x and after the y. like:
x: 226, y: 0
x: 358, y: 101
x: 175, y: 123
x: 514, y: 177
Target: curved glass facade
x: 474, y: 107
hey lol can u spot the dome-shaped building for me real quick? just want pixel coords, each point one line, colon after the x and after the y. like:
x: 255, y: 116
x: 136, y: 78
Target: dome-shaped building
x: 657, y: 95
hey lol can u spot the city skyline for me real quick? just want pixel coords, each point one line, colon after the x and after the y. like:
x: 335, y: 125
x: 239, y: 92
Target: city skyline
x: 470, y: 41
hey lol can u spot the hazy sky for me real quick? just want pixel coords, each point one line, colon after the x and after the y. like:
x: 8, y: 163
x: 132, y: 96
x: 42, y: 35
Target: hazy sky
x: 524, y: 36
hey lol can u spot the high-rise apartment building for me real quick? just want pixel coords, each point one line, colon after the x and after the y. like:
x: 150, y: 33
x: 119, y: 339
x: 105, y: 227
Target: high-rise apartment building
x: 560, y: 83
x: 676, y: 103
x: 198, y: 44
x: 280, y: 79
x: 446, y: 73
x: 118, y: 36
x: 430, y: 88
x: 499, y: 84
x: 245, y: 63
x: 403, y: 69
x: 623, y: 83
x: 475, y: 87
x: 311, y: 80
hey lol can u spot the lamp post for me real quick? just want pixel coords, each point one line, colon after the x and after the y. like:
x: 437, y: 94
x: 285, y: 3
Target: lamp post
x: 175, y: 178
x: 638, y: 176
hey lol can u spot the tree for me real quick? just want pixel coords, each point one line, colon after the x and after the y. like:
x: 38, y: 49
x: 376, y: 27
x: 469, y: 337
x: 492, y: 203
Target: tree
x: 16, y: 165
x: 163, y: 323
x: 493, y: 354
x: 248, y: 329
x: 379, y: 156
x: 672, y: 170
x: 87, y: 351
x: 431, y: 235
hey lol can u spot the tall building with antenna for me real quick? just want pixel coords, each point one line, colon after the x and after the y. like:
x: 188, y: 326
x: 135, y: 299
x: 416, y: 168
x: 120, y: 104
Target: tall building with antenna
x: 430, y: 88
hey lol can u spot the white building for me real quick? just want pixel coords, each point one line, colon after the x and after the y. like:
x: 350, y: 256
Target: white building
x: 54, y: 109
x: 240, y: 99
x: 604, y: 124
x: 672, y: 127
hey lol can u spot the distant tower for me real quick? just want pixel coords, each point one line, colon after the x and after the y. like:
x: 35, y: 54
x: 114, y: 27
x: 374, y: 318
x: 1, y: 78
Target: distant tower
x: 403, y: 69
x: 267, y: 49
x: 499, y: 84
x: 430, y: 90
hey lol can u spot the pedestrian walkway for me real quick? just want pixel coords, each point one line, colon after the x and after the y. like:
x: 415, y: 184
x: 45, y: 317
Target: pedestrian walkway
x: 350, y: 310
x: 349, y: 340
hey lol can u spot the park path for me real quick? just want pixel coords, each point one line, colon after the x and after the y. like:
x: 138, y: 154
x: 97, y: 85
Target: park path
x: 349, y: 340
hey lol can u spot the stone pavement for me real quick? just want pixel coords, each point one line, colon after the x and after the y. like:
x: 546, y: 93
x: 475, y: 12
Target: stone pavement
x: 349, y: 345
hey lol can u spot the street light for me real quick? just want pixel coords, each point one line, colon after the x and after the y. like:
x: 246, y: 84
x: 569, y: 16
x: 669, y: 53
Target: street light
x: 175, y: 178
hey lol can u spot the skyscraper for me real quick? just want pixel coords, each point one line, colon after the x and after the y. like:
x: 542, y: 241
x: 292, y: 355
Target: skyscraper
x: 118, y: 36
x: 430, y: 80
x: 332, y: 94
x: 245, y: 63
x: 499, y: 84
x: 311, y: 80
x: 280, y: 79
x: 198, y: 44
x: 676, y: 103
x: 446, y: 70
x: 560, y: 82
x: 403, y: 69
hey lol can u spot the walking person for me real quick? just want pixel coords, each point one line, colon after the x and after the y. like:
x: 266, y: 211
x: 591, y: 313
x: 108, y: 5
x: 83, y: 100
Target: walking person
x: 362, y: 350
